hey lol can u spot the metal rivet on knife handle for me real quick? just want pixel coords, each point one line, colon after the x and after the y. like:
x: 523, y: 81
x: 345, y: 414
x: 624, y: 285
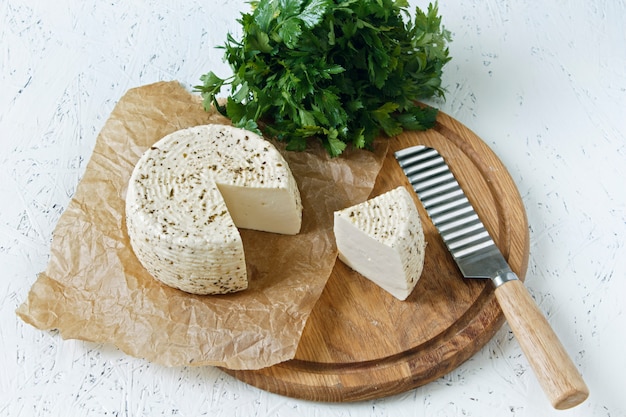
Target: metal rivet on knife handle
x: 477, y: 256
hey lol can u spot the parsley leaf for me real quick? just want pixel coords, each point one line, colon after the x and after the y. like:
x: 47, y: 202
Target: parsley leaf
x: 339, y: 71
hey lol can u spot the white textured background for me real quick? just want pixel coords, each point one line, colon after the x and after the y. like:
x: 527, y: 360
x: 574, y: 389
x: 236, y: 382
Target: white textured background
x: 543, y: 83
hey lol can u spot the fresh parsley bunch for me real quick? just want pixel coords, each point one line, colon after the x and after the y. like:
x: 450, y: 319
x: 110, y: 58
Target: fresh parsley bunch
x: 340, y: 71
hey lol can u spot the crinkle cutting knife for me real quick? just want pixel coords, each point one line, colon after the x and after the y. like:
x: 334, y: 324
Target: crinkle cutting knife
x: 477, y: 256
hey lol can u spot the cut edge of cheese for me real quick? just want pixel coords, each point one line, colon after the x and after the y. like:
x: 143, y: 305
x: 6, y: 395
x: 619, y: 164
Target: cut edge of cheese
x: 263, y: 209
x: 382, y: 239
x: 189, y: 193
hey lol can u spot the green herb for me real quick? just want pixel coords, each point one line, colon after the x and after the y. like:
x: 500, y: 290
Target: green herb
x: 339, y: 71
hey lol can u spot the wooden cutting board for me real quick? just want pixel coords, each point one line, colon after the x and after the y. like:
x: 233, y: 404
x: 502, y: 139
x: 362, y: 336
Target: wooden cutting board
x: 361, y: 343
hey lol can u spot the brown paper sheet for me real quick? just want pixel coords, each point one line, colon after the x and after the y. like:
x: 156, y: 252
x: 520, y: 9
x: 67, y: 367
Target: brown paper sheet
x: 95, y: 289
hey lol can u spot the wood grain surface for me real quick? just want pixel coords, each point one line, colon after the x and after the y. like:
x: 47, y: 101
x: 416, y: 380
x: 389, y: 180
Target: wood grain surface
x: 361, y: 343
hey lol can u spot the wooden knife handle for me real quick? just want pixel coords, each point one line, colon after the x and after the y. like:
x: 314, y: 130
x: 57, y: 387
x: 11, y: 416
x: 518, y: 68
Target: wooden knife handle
x: 553, y: 367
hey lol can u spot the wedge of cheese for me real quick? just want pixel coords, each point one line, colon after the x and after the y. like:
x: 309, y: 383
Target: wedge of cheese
x: 383, y: 240
x: 189, y: 193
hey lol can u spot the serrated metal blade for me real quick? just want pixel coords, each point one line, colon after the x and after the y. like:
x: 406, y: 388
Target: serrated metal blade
x: 462, y: 231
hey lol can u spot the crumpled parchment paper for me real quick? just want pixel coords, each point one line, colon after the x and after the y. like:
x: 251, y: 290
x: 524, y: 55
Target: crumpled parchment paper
x: 95, y: 289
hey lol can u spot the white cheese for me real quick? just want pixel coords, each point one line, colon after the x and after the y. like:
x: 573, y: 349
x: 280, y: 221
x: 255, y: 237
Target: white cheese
x: 383, y: 240
x: 189, y: 193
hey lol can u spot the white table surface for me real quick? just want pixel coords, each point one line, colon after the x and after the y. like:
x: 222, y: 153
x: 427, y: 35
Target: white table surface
x: 543, y: 83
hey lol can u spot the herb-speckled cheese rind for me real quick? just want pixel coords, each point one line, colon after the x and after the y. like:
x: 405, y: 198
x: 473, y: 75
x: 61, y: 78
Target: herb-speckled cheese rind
x: 383, y: 240
x: 189, y: 193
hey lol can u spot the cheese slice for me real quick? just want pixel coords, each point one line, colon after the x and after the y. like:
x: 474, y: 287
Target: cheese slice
x: 189, y: 193
x: 383, y: 240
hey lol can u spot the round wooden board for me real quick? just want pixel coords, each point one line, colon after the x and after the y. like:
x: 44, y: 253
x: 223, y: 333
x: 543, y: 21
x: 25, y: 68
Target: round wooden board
x: 361, y: 343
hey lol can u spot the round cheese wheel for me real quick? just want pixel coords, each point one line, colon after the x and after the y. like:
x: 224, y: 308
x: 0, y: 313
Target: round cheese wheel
x: 191, y: 191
